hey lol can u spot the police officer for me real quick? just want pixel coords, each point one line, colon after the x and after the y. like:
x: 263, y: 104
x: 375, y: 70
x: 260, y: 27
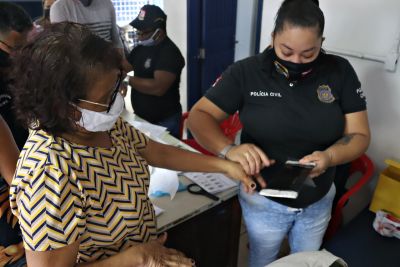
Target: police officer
x: 157, y: 64
x: 294, y: 101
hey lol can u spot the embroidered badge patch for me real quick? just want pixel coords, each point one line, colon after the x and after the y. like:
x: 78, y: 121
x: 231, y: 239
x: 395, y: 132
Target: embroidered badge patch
x: 147, y: 63
x: 325, y: 94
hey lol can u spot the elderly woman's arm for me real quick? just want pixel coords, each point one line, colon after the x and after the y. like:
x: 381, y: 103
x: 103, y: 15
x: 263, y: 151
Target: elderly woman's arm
x: 152, y: 254
x: 174, y: 158
x: 353, y: 144
x: 8, y: 152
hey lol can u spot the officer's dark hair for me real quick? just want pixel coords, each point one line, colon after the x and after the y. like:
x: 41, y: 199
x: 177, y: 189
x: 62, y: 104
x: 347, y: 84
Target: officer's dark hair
x: 301, y: 13
x: 13, y: 18
x: 55, y: 70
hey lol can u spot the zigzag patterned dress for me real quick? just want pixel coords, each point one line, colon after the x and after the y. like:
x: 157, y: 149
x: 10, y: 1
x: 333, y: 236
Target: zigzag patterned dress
x: 63, y: 192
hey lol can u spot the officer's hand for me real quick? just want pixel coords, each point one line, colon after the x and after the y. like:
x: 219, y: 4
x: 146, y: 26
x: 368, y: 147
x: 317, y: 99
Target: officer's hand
x: 251, y: 157
x: 322, y: 161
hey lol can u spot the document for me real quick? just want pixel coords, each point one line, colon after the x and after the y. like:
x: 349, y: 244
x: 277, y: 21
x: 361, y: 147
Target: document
x: 158, y: 210
x: 211, y: 182
x: 151, y: 130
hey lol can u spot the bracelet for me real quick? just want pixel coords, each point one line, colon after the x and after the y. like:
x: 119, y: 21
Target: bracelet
x: 225, y: 150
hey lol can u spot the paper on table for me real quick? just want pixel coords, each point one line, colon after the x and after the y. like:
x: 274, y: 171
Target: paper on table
x: 152, y: 130
x: 157, y: 210
x: 163, y: 180
x: 211, y: 182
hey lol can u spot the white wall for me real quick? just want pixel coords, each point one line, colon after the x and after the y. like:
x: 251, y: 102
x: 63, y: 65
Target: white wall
x: 245, y: 25
x: 369, y: 26
x: 176, y: 11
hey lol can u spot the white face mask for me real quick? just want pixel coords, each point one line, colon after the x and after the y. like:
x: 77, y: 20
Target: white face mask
x: 94, y: 121
x: 151, y: 40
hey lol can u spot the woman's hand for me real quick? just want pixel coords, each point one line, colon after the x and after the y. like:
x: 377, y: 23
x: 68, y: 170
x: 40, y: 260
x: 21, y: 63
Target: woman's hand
x: 322, y: 159
x: 235, y: 171
x: 154, y: 254
x: 252, y: 158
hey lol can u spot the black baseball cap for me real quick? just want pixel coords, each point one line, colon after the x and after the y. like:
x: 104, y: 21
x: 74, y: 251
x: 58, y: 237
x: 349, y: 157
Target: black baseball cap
x: 150, y: 17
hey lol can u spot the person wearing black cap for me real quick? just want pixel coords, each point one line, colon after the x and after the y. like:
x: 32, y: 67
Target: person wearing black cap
x: 294, y: 101
x: 157, y: 64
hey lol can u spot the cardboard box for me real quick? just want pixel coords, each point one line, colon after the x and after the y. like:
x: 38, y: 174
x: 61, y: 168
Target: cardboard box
x: 387, y: 192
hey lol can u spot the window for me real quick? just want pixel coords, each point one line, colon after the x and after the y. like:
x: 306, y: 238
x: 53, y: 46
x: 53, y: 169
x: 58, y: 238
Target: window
x: 127, y: 10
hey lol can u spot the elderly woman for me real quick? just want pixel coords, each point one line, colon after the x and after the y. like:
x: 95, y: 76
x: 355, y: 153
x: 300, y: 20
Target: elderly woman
x: 81, y: 184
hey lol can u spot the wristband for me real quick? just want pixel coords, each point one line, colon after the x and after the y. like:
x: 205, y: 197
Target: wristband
x: 225, y: 150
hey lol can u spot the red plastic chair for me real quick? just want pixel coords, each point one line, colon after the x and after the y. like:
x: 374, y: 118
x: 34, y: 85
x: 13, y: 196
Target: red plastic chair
x: 363, y: 165
x: 229, y: 127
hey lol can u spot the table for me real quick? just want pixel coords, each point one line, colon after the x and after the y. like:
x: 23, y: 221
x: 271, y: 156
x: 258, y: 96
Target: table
x: 207, y: 231
x: 361, y: 246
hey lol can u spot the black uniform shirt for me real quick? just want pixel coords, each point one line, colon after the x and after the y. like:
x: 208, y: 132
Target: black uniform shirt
x: 145, y: 61
x: 19, y: 133
x: 290, y: 120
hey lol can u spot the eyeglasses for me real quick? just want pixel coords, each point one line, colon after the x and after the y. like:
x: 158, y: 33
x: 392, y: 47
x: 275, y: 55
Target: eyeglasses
x: 116, y: 90
x: 113, y: 96
x: 7, y: 45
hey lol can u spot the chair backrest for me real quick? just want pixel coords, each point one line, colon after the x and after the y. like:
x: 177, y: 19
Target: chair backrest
x: 230, y: 127
x: 364, y: 165
x: 182, y: 125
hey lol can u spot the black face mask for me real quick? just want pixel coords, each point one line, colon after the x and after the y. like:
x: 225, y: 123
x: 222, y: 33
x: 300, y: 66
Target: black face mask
x: 293, y: 71
x: 86, y: 2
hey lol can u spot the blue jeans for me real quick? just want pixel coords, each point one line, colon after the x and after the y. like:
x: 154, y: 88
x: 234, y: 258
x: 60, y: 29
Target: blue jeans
x: 268, y: 223
x: 172, y: 123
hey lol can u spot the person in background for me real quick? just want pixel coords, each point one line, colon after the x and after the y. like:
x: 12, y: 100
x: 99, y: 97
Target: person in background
x: 157, y: 64
x: 294, y: 101
x: 12, y: 253
x: 98, y: 16
x: 81, y: 185
x: 15, y: 24
x: 45, y: 18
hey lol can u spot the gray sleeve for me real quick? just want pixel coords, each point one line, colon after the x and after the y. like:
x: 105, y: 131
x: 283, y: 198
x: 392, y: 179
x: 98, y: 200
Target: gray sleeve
x: 116, y: 38
x: 58, y: 12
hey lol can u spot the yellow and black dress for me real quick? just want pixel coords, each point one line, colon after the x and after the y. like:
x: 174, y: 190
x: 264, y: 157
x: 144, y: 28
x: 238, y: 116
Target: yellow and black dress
x: 64, y: 192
